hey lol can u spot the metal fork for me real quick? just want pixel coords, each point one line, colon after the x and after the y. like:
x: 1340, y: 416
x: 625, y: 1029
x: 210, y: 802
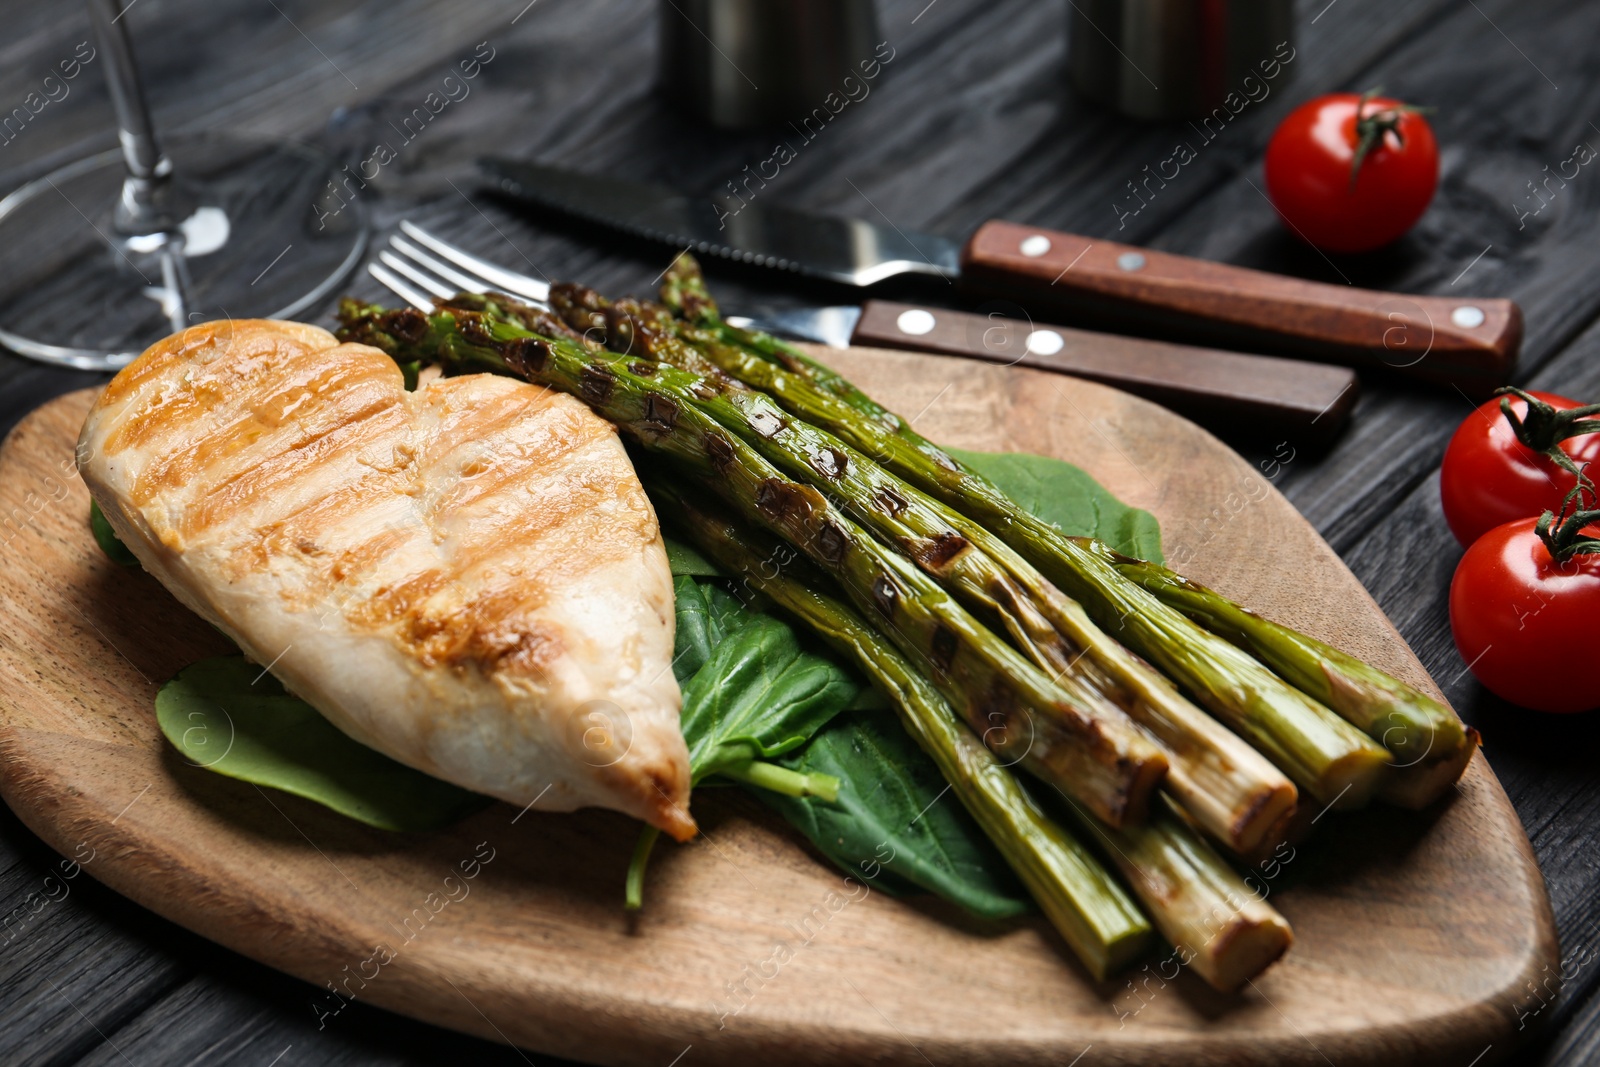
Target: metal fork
x: 410, y: 272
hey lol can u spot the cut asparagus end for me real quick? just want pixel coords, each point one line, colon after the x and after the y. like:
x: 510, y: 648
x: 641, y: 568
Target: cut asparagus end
x: 1232, y: 791
x: 1425, y: 739
x: 1351, y: 780
x: 1250, y: 944
x: 1419, y: 785
x: 1217, y: 923
x: 1246, y: 828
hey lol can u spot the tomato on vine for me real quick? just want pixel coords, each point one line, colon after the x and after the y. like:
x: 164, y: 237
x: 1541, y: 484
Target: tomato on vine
x: 1523, y: 606
x: 1350, y: 172
x: 1516, y: 457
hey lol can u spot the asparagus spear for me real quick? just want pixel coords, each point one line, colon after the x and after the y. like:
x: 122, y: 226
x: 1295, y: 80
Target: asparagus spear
x: 1079, y: 897
x: 1221, y: 927
x: 683, y: 291
x: 1428, y: 744
x: 1235, y: 793
x: 1106, y: 764
x: 1325, y: 756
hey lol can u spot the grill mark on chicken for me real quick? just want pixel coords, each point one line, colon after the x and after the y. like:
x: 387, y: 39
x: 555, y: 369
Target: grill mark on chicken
x: 234, y: 441
x: 293, y: 468
x: 255, y: 364
x: 305, y: 532
x: 526, y: 450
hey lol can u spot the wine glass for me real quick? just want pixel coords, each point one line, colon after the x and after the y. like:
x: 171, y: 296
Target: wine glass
x: 104, y: 256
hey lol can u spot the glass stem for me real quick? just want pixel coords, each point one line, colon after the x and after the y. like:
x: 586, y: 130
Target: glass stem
x: 150, y: 200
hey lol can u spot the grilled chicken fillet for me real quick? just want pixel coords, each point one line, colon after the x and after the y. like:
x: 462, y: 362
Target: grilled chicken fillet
x: 468, y: 578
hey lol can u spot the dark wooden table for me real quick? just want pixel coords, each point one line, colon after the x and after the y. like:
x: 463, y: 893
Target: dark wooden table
x: 972, y: 120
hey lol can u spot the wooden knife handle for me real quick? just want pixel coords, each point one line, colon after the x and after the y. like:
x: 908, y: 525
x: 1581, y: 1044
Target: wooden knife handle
x: 1258, y: 396
x: 1468, y: 342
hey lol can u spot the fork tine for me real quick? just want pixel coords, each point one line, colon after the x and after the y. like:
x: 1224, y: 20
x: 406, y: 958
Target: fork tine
x: 406, y: 270
x: 399, y: 288
x: 506, y: 280
x: 463, y: 283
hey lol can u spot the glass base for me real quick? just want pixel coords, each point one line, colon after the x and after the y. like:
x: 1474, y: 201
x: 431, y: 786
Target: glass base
x: 271, y: 230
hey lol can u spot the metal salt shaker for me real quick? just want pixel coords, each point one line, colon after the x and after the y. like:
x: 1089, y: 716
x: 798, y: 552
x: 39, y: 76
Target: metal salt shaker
x: 1164, y: 59
x: 744, y: 63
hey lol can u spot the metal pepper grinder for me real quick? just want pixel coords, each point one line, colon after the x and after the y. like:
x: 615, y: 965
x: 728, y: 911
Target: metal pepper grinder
x: 1166, y: 59
x: 743, y: 63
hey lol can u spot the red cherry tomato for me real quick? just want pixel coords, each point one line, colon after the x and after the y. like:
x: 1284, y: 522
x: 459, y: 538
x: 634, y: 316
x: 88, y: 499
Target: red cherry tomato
x: 1311, y: 158
x: 1524, y: 623
x: 1490, y: 478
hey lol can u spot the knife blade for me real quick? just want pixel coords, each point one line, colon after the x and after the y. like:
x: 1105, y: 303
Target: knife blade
x: 1240, y: 396
x: 841, y: 250
x: 1471, y: 343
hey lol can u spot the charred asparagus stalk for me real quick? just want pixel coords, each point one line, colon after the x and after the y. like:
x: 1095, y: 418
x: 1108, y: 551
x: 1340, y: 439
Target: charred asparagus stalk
x: 1428, y: 745
x: 1220, y: 926
x: 1080, y: 898
x: 1235, y: 793
x: 1324, y: 755
x: 1105, y: 763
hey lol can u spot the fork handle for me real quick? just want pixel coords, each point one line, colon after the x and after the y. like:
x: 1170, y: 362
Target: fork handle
x: 1257, y: 396
x: 1471, y: 343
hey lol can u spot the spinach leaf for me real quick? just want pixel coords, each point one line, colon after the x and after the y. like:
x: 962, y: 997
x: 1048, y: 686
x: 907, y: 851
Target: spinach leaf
x: 896, y: 825
x: 107, y: 539
x: 1067, y: 496
x: 686, y: 559
x: 758, y: 694
x: 750, y: 692
x: 706, y: 615
x: 229, y: 716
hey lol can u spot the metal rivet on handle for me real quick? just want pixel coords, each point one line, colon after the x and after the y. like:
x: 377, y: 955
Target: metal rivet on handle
x: 1044, y: 342
x: 915, y: 322
x: 1130, y: 261
x: 1036, y: 245
x: 1467, y: 317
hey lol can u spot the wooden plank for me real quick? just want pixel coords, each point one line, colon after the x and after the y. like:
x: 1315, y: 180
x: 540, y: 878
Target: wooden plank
x: 76, y: 959
x: 1573, y: 1038
x: 238, y: 1012
x: 269, y: 70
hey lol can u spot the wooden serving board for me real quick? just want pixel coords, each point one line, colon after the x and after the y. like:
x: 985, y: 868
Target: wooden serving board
x: 1416, y: 934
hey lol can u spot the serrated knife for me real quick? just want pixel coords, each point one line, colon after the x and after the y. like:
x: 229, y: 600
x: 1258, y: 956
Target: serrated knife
x: 1240, y: 396
x: 1467, y: 342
